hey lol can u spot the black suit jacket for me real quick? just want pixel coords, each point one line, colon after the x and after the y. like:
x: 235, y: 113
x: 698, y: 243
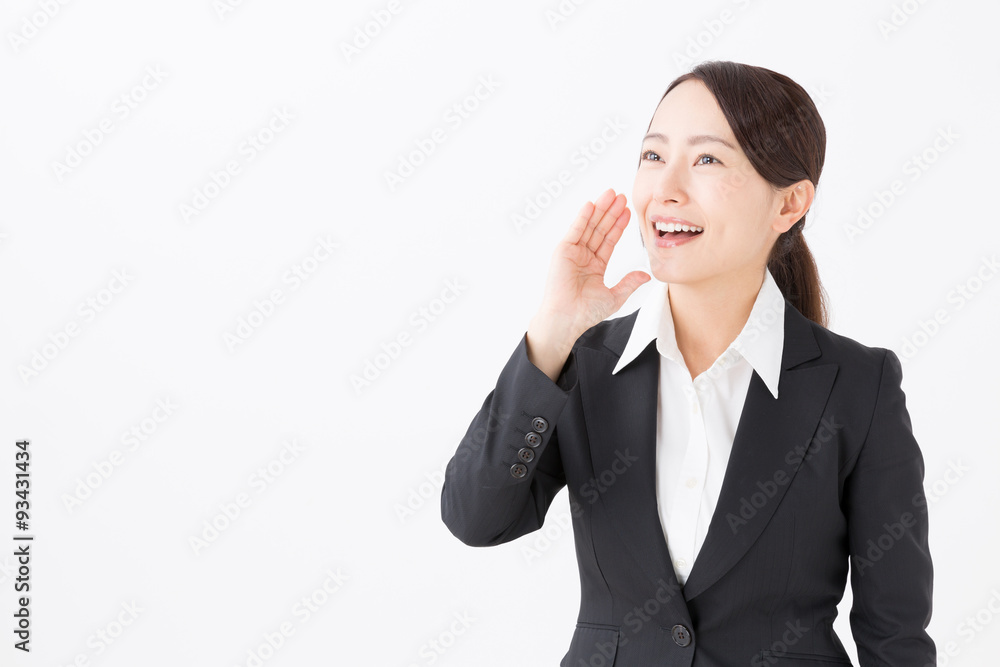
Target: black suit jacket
x: 828, y: 471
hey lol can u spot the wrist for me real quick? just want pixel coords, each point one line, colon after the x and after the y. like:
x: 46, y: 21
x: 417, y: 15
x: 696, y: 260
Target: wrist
x: 552, y: 334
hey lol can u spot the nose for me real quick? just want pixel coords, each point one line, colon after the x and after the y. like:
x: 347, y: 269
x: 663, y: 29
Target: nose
x: 671, y: 183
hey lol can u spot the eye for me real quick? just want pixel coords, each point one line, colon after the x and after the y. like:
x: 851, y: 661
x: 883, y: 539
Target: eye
x: 652, y: 156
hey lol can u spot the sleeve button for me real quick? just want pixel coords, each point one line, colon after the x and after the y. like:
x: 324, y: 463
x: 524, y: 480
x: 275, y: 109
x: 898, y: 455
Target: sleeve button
x: 519, y: 470
x: 539, y: 424
x: 533, y: 439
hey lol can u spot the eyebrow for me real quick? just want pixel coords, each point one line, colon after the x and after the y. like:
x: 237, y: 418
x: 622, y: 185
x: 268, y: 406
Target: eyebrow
x: 693, y: 140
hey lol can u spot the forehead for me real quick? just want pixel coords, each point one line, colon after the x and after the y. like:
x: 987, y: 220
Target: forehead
x: 690, y: 108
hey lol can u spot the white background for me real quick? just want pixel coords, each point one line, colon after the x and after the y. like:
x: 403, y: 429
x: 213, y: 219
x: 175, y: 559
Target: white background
x: 364, y: 453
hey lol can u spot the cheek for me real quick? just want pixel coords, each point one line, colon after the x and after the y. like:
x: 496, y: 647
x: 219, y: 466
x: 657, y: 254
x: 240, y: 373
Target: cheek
x: 727, y: 191
x: 642, y: 193
x: 737, y: 179
x: 735, y: 200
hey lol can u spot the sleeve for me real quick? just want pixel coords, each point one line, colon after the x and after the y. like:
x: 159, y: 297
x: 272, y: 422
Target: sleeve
x: 891, y: 569
x: 507, y: 469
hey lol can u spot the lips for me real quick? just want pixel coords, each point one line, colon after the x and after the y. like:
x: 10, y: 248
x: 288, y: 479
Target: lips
x: 675, y: 227
x: 670, y: 231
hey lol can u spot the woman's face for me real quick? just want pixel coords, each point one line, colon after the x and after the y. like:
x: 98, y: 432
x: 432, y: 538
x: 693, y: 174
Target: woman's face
x: 692, y: 169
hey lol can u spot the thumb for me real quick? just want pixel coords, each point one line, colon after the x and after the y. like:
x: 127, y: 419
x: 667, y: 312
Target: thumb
x: 627, y: 285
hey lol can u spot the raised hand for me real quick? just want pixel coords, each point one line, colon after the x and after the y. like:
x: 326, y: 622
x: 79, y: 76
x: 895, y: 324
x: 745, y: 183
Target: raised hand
x: 576, y: 297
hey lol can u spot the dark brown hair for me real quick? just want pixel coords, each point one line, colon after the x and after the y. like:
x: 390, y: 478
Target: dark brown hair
x: 779, y: 129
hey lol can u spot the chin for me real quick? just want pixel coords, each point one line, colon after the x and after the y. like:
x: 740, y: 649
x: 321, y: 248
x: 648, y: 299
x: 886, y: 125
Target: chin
x: 674, y: 270
x: 667, y: 273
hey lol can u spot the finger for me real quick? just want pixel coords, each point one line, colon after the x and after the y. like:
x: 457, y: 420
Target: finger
x: 579, y: 223
x: 614, y: 234
x: 606, y: 222
x: 601, y: 205
x: 627, y: 285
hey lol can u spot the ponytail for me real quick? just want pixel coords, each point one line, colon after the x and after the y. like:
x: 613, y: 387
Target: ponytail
x: 794, y: 270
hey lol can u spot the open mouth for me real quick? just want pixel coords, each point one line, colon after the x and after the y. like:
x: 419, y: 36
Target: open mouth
x: 677, y: 231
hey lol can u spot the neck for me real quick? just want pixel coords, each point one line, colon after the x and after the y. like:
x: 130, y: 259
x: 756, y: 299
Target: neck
x: 708, y: 315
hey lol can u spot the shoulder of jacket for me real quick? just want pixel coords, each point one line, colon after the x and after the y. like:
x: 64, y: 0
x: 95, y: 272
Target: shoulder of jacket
x: 849, y: 350
x: 613, y: 328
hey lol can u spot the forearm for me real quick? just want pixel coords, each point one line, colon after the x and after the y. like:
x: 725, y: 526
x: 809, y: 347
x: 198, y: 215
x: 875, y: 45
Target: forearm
x: 491, y: 494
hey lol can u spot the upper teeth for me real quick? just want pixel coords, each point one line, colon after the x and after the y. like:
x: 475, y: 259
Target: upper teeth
x: 675, y: 227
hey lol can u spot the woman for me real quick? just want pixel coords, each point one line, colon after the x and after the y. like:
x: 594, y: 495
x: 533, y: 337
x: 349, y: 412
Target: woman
x: 726, y: 455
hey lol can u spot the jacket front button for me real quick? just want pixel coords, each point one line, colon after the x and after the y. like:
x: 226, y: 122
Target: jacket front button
x: 681, y: 635
x: 533, y: 439
x: 539, y: 424
x: 526, y: 454
x: 519, y: 470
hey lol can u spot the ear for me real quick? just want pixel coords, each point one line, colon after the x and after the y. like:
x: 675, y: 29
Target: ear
x: 794, y: 202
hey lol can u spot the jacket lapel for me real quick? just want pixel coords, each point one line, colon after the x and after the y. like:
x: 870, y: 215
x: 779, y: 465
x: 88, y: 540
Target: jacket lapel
x: 621, y: 422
